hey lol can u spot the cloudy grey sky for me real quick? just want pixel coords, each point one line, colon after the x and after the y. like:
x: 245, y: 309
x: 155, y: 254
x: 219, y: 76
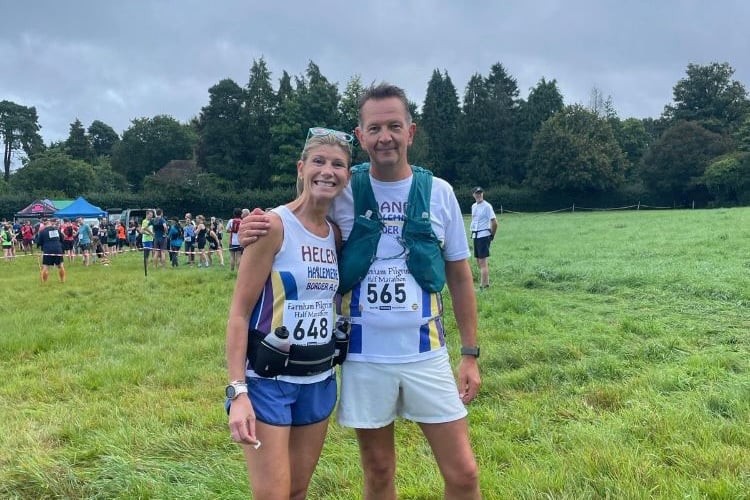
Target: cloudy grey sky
x: 116, y: 61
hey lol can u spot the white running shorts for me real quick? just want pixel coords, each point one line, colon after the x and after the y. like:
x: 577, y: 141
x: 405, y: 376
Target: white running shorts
x: 374, y: 394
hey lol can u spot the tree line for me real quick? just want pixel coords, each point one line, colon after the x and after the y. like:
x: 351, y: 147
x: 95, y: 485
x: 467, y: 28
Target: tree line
x: 528, y: 153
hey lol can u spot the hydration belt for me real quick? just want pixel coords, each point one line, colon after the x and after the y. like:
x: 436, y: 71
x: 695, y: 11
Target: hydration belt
x: 268, y: 361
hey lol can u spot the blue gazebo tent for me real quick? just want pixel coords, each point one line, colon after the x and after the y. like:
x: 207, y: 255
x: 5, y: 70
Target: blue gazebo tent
x: 80, y: 208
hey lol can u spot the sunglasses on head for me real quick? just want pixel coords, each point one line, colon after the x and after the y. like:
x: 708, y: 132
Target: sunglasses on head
x: 322, y: 132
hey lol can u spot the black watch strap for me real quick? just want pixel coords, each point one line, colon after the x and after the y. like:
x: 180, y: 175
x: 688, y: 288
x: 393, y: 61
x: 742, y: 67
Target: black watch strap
x: 470, y: 351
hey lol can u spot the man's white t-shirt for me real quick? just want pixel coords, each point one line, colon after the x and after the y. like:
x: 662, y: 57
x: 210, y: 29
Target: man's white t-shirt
x: 393, y: 319
x: 482, y: 214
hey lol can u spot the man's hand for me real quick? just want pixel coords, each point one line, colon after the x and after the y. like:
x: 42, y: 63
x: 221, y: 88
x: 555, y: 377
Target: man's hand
x: 461, y: 286
x: 253, y: 227
x: 468, y: 379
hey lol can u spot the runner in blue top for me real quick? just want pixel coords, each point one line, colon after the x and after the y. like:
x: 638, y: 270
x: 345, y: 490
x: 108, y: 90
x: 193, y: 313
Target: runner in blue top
x: 175, y: 241
x: 85, y: 237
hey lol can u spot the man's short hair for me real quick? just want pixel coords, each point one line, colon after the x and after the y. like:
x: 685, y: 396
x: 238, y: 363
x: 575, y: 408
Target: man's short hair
x: 383, y: 90
x: 477, y: 189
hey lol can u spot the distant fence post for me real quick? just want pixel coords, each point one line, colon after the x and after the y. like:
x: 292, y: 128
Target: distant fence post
x: 639, y: 205
x: 574, y: 206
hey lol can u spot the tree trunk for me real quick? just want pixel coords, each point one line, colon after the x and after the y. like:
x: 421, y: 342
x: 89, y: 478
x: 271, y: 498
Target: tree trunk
x: 6, y: 161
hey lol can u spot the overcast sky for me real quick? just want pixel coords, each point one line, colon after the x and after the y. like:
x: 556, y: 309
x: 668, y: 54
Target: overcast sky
x: 116, y: 61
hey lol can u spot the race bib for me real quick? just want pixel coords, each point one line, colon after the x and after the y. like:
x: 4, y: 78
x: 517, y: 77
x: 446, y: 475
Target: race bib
x: 390, y: 290
x: 54, y: 233
x: 309, y: 321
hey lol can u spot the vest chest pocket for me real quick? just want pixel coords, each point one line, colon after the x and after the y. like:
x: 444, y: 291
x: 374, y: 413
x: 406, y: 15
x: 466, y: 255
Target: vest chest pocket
x: 424, y: 257
x: 358, y: 252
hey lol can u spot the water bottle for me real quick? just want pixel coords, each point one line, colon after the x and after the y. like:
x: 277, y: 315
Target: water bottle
x: 341, y: 334
x: 272, y: 355
x: 279, y: 339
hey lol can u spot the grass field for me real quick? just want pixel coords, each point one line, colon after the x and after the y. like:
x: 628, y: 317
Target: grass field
x: 615, y: 364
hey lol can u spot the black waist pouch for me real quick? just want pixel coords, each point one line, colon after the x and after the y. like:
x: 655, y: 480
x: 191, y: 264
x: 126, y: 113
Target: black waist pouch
x: 265, y: 359
x: 310, y: 359
x: 268, y: 361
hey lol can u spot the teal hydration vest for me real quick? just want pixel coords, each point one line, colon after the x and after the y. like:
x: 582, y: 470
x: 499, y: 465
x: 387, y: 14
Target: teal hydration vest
x: 424, y: 257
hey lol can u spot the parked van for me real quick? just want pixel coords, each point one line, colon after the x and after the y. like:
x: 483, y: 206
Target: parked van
x: 135, y: 214
x: 113, y: 214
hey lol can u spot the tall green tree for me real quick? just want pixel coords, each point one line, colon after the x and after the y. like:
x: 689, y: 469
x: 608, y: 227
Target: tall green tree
x: 78, y: 145
x: 314, y: 102
x: 728, y: 178
x: 222, y: 130
x: 634, y: 141
x: 475, y: 135
x: 674, y: 165
x: 286, y: 89
x: 185, y: 184
x: 149, y: 144
x: 544, y: 100
x: 709, y: 96
x: 319, y: 99
x: 19, y: 129
x: 419, y: 151
x: 105, y: 179
x: 103, y: 138
x: 286, y: 135
x: 742, y: 135
x: 503, y: 103
x: 349, y: 112
x: 54, y: 172
x: 655, y: 127
x: 575, y: 151
x: 262, y: 103
x: 349, y: 104
x: 440, y: 121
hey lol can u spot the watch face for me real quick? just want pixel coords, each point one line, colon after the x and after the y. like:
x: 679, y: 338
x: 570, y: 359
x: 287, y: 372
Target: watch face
x: 231, y: 392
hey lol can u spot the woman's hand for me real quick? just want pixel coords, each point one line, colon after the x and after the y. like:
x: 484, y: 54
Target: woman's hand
x: 242, y: 421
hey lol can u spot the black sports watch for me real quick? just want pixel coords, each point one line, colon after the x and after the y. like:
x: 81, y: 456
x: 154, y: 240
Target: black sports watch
x: 234, y: 389
x: 470, y: 351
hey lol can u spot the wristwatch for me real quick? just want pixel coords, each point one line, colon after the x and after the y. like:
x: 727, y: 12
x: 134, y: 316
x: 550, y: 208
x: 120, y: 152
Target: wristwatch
x: 470, y: 351
x: 234, y: 389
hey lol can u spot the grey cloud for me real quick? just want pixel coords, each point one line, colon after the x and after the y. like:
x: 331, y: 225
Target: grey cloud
x: 119, y: 61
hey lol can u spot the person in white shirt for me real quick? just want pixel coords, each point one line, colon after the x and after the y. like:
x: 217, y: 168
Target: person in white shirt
x: 483, y: 228
x: 235, y: 249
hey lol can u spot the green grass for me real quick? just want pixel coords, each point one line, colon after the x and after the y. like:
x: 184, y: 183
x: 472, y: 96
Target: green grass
x: 615, y: 364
